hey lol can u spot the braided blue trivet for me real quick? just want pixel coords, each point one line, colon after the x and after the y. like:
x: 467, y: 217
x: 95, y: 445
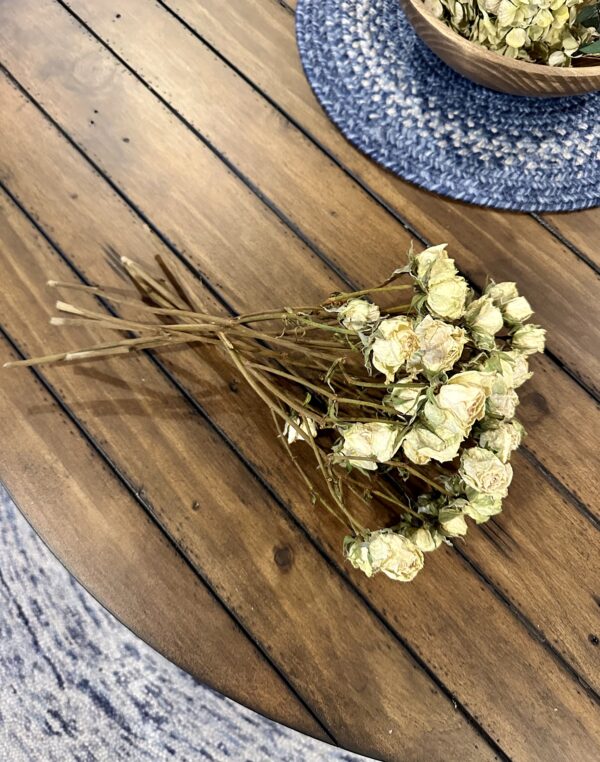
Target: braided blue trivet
x: 402, y: 106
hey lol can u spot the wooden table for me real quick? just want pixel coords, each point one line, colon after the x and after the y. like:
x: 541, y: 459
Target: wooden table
x: 186, y: 128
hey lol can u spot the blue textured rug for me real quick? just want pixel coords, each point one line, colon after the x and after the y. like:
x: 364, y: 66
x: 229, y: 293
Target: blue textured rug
x: 76, y: 685
x: 402, y: 106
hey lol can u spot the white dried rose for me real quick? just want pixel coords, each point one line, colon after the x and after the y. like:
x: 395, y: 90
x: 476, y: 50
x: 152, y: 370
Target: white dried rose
x: 434, y: 263
x: 517, y: 311
x: 464, y: 395
x: 452, y: 522
x: 356, y: 550
x: 440, y: 346
x: 445, y: 290
x: 421, y: 445
x: 502, y: 439
x: 366, y: 444
x: 425, y: 537
x: 406, y: 397
x: 520, y: 368
x: 503, y: 400
x: 512, y: 366
x: 529, y: 339
x: 385, y: 551
x: 482, y: 378
x: 446, y: 298
x: 307, y: 426
x: 484, y: 472
x: 437, y: 437
x: 482, y: 507
x: 501, y: 293
x: 395, y: 341
x: 484, y: 320
x: 357, y: 314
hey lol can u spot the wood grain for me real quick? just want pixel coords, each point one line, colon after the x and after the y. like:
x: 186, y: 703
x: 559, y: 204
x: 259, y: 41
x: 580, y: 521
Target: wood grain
x: 491, y: 70
x: 504, y: 700
x: 54, y: 475
x: 581, y: 229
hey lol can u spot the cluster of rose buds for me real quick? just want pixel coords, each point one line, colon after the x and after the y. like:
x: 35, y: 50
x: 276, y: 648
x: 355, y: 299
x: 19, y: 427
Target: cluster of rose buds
x: 542, y: 31
x: 409, y: 407
x: 451, y: 373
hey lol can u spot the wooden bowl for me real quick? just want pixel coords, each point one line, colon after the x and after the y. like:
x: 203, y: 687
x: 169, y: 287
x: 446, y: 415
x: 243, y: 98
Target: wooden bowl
x: 492, y: 70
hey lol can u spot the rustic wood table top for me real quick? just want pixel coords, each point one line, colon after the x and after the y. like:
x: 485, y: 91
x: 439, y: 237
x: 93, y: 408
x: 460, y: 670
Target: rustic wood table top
x: 186, y: 128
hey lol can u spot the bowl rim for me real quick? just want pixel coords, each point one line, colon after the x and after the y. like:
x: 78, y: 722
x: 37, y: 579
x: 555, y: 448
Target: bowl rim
x: 484, y: 54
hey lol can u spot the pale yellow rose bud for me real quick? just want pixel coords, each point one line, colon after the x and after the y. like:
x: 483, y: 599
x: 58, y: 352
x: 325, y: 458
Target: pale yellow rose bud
x: 501, y: 293
x: 366, y: 444
x: 529, y: 339
x: 437, y: 437
x: 440, y: 346
x: 307, y: 426
x: 452, y: 522
x: 405, y: 398
x: 434, y: 257
x: 485, y: 320
x: 517, y: 311
x: 512, y: 366
x: 484, y: 472
x: 421, y: 445
x: 464, y: 395
x: 502, y: 439
x: 395, y: 341
x: 425, y: 537
x: 357, y: 552
x: 482, y: 507
x: 483, y: 378
x: 503, y: 400
x: 385, y: 551
x: 357, y: 314
x: 446, y: 298
x: 519, y: 372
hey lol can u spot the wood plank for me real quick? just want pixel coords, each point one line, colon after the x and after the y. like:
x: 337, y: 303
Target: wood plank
x: 184, y: 212
x: 227, y: 525
x: 219, y: 101
x: 581, y: 229
x: 89, y: 520
x: 97, y: 82
x: 258, y: 37
x: 505, y: 701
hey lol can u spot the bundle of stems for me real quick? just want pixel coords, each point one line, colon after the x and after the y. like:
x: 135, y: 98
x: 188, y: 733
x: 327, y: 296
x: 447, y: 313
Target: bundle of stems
x: 300, y: 362
x: 378, y: 435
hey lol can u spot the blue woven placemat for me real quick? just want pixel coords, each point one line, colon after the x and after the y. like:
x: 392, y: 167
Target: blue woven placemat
x: 402, y: 106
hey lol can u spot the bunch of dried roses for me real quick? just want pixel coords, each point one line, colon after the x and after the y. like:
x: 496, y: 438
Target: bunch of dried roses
x: 411, y: 405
